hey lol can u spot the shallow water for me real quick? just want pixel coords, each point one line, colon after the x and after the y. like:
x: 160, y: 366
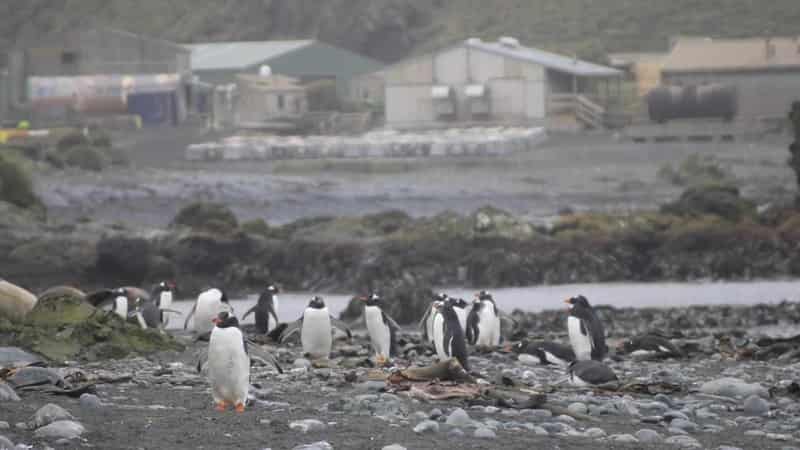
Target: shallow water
x: 537, y: 298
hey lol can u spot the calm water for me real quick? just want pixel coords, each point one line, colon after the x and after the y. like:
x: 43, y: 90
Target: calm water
x: 291, y: 304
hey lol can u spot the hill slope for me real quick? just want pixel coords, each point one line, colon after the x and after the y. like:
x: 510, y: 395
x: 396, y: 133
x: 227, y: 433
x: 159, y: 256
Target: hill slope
x: 390, y: 29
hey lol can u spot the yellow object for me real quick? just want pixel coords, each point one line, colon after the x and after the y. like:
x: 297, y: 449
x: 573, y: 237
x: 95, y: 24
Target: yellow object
x: 23, y: 125
x: 648, y: 76
x: 3, y: 137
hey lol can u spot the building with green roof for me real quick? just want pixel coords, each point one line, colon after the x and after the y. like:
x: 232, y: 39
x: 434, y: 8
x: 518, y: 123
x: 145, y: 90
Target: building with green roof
x: 306, y: 60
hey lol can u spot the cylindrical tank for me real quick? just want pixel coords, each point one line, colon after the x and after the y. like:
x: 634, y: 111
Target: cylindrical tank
x: 684, y: 102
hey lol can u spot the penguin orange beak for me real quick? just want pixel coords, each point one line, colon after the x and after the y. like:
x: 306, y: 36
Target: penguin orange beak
x: 568, y: 301
x: 362, y: 298
x: 215, y: 321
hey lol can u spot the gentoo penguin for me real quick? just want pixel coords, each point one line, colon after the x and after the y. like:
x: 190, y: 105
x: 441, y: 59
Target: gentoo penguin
x: 162, y: 295
x: 448, y: 334
x: 586, y: 333
x: 483, y: 322
x: 266, y: 310
x: 121, y: 303
x: 208, y: 305
x: 316, y: 334
x: 426, y: 323
x: 548, y: 352
x: 228, y: 363
x: 591, y: 373
x: 462, y: 309
x: 382, y: 329
x: 649, y: 345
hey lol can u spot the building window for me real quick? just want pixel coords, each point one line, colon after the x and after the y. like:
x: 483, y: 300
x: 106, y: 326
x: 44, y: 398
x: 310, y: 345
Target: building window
x: 281, y: 101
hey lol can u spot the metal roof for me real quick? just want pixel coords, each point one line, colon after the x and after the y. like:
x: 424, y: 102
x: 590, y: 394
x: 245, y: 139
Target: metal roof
x: 552, y: 61
x: 240, y: 55
x: 717, y: 55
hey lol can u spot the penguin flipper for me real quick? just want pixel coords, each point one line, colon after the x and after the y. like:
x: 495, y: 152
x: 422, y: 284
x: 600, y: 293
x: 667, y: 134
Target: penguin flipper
x: 101, y: 297
x: 342, y: 326
x: 249, y: 311
x: 387, y: 319
x: 259, y: 352
x: 290, y: 329
x: 472, y: 327
x: 191, y: 313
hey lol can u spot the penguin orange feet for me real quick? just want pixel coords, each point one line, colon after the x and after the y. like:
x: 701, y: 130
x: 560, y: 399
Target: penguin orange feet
x: 220, y: 406
x: 239, y: 407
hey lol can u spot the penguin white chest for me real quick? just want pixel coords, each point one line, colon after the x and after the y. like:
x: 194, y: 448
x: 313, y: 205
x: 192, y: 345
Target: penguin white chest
x: 581, y: 343
x: 316, y: 334
x: 462, y: 314
x: 442, y: 349
x: 379, y: 332
x: 429, y: 323
x: 165, y: 301
x: 228, y: 366
x: 271, y: 320
x: 121, y: 306
x: 488, y: 326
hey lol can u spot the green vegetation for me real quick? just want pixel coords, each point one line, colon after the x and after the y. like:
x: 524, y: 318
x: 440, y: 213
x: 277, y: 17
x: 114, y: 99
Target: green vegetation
x: 206, y: 216
x: 87, y: 158
x: 697, y: 170
x: 16, y: 186
x: 390, y: 29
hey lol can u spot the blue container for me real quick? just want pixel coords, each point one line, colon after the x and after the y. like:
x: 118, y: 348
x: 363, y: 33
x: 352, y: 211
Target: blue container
x: 155, y: 108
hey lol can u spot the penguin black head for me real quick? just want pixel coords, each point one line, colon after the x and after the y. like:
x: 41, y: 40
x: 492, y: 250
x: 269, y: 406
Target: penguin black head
x: 316, y: 302
x: 373, y: 300
x: 459, y: 303
x: 519, y: 347
x: 224, y: 297
x: 484, y: 295
x: 164, y: 286
x: 579, y: 301
x: 225, y: 320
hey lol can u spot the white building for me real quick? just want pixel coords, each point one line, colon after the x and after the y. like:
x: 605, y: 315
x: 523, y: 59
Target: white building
x: 497, y: 82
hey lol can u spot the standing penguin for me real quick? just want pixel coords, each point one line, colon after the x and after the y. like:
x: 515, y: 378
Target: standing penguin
x: 449, y: 336
x: 483, y: 322
x: 266, y: 310
x: 462, y: 309
x: 426, y: 323
x: 162, y: 294
x: 315, y: 326
x: 586, y: 333
x: 208, y: 305
x: 228, y: 363
x: 382, y: 329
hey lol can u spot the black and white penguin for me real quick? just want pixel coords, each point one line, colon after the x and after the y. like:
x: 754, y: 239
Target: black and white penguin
x: 315, y: 327
x: 208, y: 305
x: 649, y: 346
x: 591, y: 373
x: 462, y: 309
x: 449, y: 338
x: 483, y: 322
x: 266, y: 310
x: 548, y: 352
x: 426, y: 323
x: 162, y: 294
x: 586, y: 333
x: 228, y: 363
x: 381, y: 327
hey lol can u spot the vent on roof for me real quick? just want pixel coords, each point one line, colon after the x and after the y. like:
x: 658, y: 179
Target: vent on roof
x: 265, y: 71
x: 508, y: 41
x: 474, y: 40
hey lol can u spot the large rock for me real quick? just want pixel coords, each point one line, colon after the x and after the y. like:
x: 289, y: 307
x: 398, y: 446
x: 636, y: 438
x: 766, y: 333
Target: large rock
x: 734, y: 387
x: 50, y: 413
x: 62, y: 305
x: 15, y: 302
x: 63, y: 429
x: 7, y: 394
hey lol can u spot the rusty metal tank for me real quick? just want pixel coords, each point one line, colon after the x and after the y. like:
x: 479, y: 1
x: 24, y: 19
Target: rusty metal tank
x: 711, y: 100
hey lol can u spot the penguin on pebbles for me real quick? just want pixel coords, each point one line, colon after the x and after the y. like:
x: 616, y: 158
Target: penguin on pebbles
x: 483, y: 321
x: 448, y: 335
x: 426, y: 323
x: 381, y: 327
x: 228, y: 363
x: 649, y: 346
x: 315, y: 327
x: 548, y: 352
x: 591, y: 373
x: 266, y: 310
x: 208, y: 305
x: 586, y: 333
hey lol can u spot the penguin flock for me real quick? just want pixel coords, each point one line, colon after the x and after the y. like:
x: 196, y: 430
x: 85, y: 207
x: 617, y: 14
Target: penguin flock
x: 450, y: 327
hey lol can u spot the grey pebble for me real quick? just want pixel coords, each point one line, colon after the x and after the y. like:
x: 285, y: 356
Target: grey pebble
x: 623, y: 438
x: 595, y: 433
x: 4, y: 425
x: 394, y: 447
x: 5, y: 444
x: 683, y: 441
x: 321, y: 445
x: 307, y: 425
x: 50, y: 413
x: 456, y: 432
x: 91, y: 401
x: 686, y: 425
x: 485, y: 433
x: 578, y: 408
x: 301, y: 363
x: 427, y: 426
x: 755, y: 406
x: 435, y: 413
x: 459, y: 418
x: 647, y: 436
